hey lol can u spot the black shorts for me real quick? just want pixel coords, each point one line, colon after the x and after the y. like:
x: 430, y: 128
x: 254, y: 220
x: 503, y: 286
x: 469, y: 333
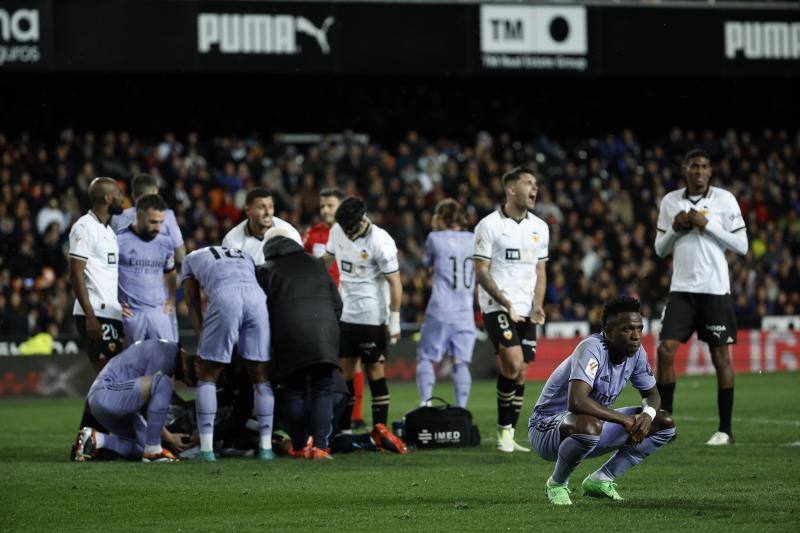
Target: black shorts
x: 111, y: 338
x: 503, y: 332
x: 364, y: 341
x: 711, y: 315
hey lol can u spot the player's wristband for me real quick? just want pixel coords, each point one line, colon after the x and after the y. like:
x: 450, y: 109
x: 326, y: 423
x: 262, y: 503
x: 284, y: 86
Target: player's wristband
x: 394, y: 323
x: 649, y: 411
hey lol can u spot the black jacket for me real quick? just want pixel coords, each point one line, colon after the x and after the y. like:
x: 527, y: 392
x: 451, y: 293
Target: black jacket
x: 304, y: 308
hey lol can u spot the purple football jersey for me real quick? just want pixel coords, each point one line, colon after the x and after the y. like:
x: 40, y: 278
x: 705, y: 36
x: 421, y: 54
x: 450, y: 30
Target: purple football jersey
x: 218, y: 267
x: 169, y: 227
x: 142, y: 265
x: 143, y: 358
x: 450, y: 254
x: 590, y: 362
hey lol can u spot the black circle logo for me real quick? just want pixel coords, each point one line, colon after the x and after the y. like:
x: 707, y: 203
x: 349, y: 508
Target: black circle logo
x: 559, y: 29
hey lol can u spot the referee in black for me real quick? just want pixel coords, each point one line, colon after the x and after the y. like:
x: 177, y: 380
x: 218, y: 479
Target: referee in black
x: 697, y: 225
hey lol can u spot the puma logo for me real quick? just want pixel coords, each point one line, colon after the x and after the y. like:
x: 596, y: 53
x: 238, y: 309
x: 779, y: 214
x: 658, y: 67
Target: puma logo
x: 320, y: 34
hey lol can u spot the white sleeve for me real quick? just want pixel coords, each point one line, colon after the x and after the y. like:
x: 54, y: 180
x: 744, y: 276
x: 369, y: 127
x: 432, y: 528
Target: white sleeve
x: 295, y: 235
x: 79, y: 245
x: 330, y: 246
x: 483, y: 242
x: 186, y: 268
x: 227, y: 240
x: 544, y: 253
x: 386, y: 255
x: 665, y: 235
x: 731, y: 232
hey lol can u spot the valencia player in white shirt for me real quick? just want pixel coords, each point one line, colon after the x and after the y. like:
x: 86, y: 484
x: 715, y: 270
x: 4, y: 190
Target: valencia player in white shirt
x: 697, y: 225
x: 510, y: 252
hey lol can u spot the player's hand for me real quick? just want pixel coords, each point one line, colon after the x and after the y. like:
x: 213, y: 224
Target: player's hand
x: 627, y: 423
x: 127, y: 312
x: 93, y: 328
x: 512, y: 315
x: 640, y: 429
x: 176, y: 442
x: 697, y: 219
x: 681, y: 222
x: 538, y: 315
x: 169, y: 307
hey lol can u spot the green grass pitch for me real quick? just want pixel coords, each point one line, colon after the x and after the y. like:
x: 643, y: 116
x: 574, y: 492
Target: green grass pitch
x: 751, y: 486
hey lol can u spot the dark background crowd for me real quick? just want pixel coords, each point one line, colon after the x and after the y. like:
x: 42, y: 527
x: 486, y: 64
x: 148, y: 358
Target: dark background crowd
x: 599, y: 195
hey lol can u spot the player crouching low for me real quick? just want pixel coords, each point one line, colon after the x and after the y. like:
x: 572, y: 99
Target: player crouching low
x: 573, y: 420
x: 140, y: 376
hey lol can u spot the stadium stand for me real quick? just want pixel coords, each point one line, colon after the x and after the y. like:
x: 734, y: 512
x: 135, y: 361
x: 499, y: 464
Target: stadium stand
x: 601, y: 196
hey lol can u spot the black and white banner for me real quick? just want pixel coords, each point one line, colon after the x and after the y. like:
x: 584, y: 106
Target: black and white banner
x: 395, y: 38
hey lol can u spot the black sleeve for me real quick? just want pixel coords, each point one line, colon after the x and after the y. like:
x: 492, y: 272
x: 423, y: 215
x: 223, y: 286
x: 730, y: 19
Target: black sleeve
x: 337, y: 300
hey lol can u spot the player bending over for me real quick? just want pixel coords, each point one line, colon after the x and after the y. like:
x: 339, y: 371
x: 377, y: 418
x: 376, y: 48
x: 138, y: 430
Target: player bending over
x: 139, y: 377
x: 236, y: 312
x: 449, y: 325
x: 573, y: 419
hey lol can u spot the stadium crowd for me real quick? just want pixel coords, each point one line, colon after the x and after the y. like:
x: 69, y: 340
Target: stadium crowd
x: 599, y: 195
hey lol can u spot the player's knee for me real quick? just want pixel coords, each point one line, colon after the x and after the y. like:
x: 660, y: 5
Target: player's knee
x: 663, y: 420
x: 512, y: 369
x: 374, y: 371
x: 588, y: 425
x: 161, y: 384
x: 666, y: 354
x: 720, y: 357
x: 208, y: 370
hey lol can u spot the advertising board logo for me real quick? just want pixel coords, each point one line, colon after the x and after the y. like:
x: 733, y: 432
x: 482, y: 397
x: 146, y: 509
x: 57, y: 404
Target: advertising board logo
x: 534, y: 37
x: 19, y: 36
x: 230, y: 33
x: 762, y: 40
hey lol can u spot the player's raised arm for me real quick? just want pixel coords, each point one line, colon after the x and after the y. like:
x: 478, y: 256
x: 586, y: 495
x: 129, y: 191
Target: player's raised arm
x: 731, y: 233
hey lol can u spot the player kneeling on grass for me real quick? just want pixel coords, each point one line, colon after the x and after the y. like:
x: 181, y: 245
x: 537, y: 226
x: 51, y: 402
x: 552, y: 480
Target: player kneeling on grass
x: 573, y: 419
x: 139, y: 377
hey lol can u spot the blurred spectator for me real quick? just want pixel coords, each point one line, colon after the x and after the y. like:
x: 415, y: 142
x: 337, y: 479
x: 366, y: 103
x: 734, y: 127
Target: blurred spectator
x: 600, y: 196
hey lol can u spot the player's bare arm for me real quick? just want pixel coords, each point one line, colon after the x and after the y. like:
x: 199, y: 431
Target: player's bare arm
x: 485, y: 280
x: 395, y: 297
x: 327, y: 259
x: 76, y: 277
x: 191, y: 291
x: 171, y: 283
x: 180, y: 253
x: 644, y: 421
x: 580, y: 403
x: 538, y: 314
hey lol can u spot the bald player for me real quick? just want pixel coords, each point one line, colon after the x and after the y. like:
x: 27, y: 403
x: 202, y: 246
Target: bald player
x: 93, y: 257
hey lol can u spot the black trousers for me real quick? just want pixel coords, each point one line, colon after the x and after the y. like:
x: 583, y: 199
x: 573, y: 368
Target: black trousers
x: 308, y: 406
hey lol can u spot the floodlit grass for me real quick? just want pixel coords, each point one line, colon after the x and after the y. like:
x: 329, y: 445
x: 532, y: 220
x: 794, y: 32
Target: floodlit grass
x: 753, y: 485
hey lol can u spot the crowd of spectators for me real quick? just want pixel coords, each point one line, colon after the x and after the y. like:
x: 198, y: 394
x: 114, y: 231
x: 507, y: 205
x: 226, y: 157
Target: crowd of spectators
x: 600, y: 197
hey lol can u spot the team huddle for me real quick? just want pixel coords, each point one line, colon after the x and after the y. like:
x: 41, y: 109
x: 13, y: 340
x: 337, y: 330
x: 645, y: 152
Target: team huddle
x: 297, y: 319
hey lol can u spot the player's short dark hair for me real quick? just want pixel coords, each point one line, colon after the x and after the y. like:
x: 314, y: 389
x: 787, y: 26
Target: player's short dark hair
x: 350, y: 213
x: 142, y: 184
x: 451, y: 213
x: 692, y: 154
x: 150, y: 201
x: 332, y: 191
x: 620, y: 304
x: 513, y: 175
x: 258, y: 192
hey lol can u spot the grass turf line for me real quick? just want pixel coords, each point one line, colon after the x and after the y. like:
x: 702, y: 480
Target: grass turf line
x: 685, y: 486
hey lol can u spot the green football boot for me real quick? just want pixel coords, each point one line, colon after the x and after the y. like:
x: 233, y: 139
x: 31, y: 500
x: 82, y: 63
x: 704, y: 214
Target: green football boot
x: 601, y: 489
x: 557, y: 494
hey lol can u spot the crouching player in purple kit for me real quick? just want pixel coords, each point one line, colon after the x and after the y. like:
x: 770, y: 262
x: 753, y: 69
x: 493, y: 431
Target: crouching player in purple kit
x: 147, y: 278
x: 573, y: 419
x: 236, y: 312
x: 139, y: 376
x: 449, y: 326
